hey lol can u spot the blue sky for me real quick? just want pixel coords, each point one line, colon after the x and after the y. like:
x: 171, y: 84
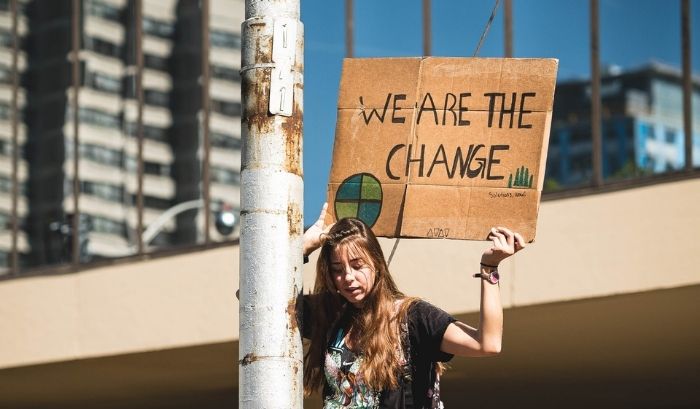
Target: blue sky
x: 632, y: 33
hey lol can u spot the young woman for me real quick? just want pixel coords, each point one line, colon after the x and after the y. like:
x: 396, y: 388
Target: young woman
x: 370, y: 346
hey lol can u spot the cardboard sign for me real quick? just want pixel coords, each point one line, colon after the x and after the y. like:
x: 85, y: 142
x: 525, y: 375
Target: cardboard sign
x: 442, y: 147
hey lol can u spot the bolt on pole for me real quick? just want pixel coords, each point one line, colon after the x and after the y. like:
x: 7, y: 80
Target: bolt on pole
x: 270, y: 349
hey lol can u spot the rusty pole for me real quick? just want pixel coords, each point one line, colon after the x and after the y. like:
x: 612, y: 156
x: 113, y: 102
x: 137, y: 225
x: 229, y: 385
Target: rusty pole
x: 270, y: 349
x: 349, y: 29
x: 508, y: 28
x: 426, y: 28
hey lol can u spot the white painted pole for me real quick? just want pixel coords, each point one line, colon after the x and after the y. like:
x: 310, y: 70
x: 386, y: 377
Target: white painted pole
x: 270, y: 349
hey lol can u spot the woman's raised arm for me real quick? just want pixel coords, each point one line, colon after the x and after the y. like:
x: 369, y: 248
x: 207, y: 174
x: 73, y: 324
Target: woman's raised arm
x: 312, y: 236
x: 463, y: 340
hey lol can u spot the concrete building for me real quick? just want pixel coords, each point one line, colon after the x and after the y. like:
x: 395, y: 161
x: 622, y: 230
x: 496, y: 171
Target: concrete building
x: 107, y: 115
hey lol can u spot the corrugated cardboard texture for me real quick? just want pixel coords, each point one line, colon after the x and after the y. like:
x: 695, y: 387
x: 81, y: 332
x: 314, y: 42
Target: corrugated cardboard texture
x: 442, y: 147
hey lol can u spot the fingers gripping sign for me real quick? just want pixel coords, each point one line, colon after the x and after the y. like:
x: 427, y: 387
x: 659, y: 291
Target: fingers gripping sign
x: 505, y: 243
x: 313, y: 235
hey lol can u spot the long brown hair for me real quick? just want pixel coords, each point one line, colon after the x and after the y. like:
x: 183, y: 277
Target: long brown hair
x: 375, y: 325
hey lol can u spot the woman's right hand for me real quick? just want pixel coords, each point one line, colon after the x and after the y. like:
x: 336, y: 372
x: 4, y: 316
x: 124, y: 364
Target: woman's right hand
x: 312, y: 236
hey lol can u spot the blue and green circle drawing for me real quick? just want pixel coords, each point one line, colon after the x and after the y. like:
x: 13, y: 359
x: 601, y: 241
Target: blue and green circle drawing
x: 359, y: 196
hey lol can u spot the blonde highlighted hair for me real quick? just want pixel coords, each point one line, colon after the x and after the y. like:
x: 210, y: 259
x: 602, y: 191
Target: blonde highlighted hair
x: 375, y: 324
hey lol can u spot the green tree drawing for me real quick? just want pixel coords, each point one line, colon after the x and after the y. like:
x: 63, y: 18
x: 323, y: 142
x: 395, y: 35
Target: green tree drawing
x: 523, y: 178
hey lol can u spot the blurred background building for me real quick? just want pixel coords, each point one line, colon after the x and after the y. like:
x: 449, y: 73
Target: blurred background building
x: 109, y: 123
x: 642, y: 127
x: 120, y: 139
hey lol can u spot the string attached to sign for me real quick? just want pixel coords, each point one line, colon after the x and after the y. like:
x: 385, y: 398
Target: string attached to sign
x: 476, y: 53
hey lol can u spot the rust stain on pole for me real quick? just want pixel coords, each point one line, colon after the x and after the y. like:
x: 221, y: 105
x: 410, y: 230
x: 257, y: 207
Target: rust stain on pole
x: 294, y: 220
x: 249, y: 359
x: 256, y: 114
x: 292, y: 315
x: 292, y: 127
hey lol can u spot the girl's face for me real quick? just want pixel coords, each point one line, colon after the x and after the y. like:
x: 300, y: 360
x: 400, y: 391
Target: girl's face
x: 352, y: 273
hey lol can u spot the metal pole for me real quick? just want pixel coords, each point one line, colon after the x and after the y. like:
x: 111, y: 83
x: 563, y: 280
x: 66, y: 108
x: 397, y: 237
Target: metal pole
x: 426, y: 28
x: 687, y: 84
x: 597, y: 143
x: 138, y: 49
x: 75, y: 71
x: 508, y: 27
x: 206, y: 196
x: 14, y: 258
x: 270, y: 349
x: 349, y: 27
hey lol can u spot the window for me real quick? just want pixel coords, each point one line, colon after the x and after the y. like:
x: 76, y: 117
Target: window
x: 5, y: 74
x: 158, y: 28
x: 225, y: 176
x: 103, y: 10
x: 153, y: 202
x: 155, y: 168
x: 670, y: 136
x: 101, y: 154
x: 104, y: 82
x: 103, y: 190
x: 225, y: 73
x: 98, y: 117
x: 5, y: 184
x: 157, y: 98
x: 222, y: 140
x: 149, y: 132
x: 5, y: 111
x: 225, y: 39
x: 103, y: 47
x: 104, y: 225
x: 155, y: 62
x: 227, y: 108
x: 6, y: 38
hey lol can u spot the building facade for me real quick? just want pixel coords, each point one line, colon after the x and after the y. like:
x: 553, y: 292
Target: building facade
x: 107, y: 115
x: 642, y: 127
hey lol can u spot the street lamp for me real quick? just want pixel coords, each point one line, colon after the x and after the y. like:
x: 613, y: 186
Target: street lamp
x: 226, y: 219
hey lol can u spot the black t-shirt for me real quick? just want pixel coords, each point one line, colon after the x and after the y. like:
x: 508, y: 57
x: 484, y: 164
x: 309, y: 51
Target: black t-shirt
x: 426, y: 325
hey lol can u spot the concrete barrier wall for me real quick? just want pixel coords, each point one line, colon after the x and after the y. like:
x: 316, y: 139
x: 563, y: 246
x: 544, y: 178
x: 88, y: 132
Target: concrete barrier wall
x: 623, y: 242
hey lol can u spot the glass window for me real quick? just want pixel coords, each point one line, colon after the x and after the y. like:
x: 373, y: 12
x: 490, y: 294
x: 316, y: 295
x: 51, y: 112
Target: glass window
x: 157, y: 27
x: 104, y: 82
x: 5, y: 38
x: 103, y: 47
x: 5, y: 111
x: 225, y: 39
x: 228, y: 108
x: 225, y: 176
x: 103, y: 10
x: 670, y: 135
x: 5, y: 74
x: 155, y: 62
x: 222, y: 140
x: 225, y: 73
x: 157, y: 98
x: 99, y: 117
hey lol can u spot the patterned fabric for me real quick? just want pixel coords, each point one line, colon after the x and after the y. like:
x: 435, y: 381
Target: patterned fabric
x: 419, y: 384
x: 345, y: 386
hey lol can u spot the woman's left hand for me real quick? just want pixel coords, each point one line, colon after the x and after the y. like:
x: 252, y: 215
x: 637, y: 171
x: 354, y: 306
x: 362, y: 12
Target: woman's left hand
x: 505, y: 244
x: 312, y: 236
